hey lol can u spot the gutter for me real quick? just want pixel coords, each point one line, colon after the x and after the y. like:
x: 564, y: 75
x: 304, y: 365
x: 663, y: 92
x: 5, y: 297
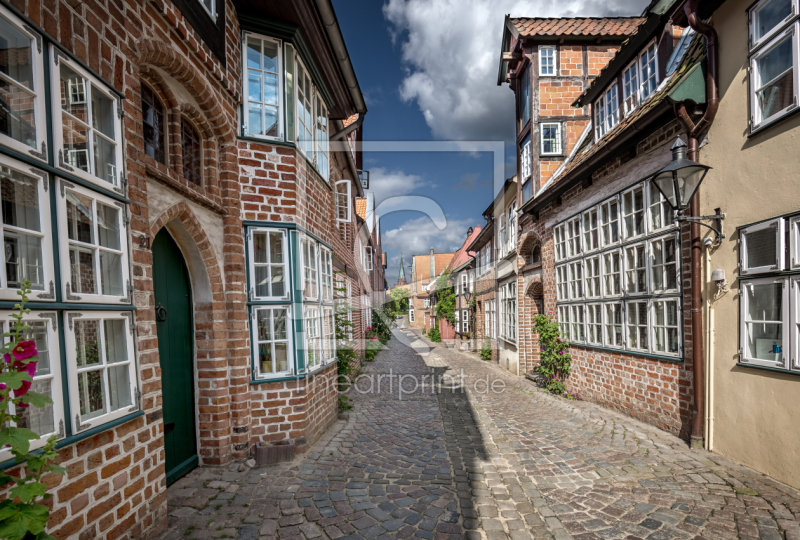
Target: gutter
x: 694, y: 131
x: 328, y: 16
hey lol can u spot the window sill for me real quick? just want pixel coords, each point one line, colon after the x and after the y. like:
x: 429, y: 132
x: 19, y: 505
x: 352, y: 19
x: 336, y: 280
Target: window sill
x: 629, y: 352
x: 767, y: 368
x: 788, y: 114
x: 275, y: 142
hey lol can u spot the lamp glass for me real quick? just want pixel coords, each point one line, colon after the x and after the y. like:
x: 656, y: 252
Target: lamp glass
x: 666, y: 185
x: 689, y: 179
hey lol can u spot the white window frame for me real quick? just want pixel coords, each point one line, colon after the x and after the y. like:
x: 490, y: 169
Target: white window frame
x: 564, y: 319
x: 756, y: 116
x: 560, y: 241
x: 653, y: 328
x: 310, y: 270
x: 70, y: 318
x: 544, y: 71
x: 605, y: 272
x: 512, y: 227
x: 630, y: 87
x: 661, y: 206
x: 54, y: 350
x: 67, y: 289
x: 559, y: 146
x: 464, y: 321
x: 591, y: 244
x: 328, y: 315
x: 93, y: 84
x: 574, y: 232
x: 785, y: 316
x: 593, y: 321
x: 308, y: 101
x: 326, y: 273
x: 628, y: 309
x: 652, y: 267
x: 252, y: 264
x: 464, y: 282
x: 246, y: 87
x: 257, y: 373
x: 344, y: 208
x: 312, y: 336
x: 577, y: 323
x: 368, y: 259
x: 562, y: 282
x: 575, y: 273
x: 593, y: 282
x: 751, y: 19
x: 794, y: 321
x: 645, y: 266
x: 778, y: 225
x: 40, y: 178
x: 41, y: 120
x: 525, y: 158
x: 606, y: 222
x: 625, y: 234
x: 599, y: 118
x: 794, y: 243
x: 321, y: 144
x: 642, y: 81
x: 608, y: 341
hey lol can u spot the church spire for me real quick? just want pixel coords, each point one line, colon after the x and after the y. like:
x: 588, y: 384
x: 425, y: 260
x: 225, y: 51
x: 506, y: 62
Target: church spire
x: 401, y: 280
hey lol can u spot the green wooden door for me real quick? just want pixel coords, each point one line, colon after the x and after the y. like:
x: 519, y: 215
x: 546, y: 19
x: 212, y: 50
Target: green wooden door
x: 173, y: 297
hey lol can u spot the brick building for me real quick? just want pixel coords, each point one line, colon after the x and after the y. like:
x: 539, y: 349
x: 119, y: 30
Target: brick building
x: 187, y: 171
x: 611, y: 268
x: 424, y: 271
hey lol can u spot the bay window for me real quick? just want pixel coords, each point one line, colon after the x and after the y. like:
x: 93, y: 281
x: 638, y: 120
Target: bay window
x: 268, y: 256
x: 263, y: 81
x: 94, y: 246
x: 87, y: 124
x: 271, y: 337
x: 621, y: 291
x: 326, y: 273
x: 23, y: 126
x: 310, y: 256
x: 101, y: 368
x: 313, y: 335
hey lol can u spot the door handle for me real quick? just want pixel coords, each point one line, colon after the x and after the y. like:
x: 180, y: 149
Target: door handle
x: 161, y: 313
x: 169, y: 427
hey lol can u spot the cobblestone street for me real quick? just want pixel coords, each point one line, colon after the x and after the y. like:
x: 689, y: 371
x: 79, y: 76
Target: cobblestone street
x: 468, y: 463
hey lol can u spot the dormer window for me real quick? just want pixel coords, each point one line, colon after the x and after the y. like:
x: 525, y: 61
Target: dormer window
x: 606, y: 112
x: 640, y: 79
x: 649, y: 71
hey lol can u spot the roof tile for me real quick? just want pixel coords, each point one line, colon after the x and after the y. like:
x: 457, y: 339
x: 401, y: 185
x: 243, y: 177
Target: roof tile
x: 578, y: 26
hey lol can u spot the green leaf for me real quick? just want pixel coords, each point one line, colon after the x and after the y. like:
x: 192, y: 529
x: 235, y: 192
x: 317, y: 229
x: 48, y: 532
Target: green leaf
x: 37, y: 400
x: 58, y: 469
x: 17, y: 520
x: 18, y: 439
x: 28, y: 492
x: 44, y: 536
x: 13, y: 379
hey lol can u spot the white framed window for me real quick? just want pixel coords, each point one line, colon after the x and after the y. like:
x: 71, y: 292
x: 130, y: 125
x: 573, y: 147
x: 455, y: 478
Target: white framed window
x: 613, y: 325
x: 309, y: 251
x: 305, y: 111
x: 606, y: 110
x: 321, y: 159
x: 487, y: 332
x: 591, y: 267
x: 328, y: 334
x: 211, y: 7
x: 630, y: 87
x: 609, y: 222
x: 464, y: 282
x: 648, y: 72
x: 26, y: 231
x: 633, y: 212
x: 313, y: 337
x: 562, y: 282
x: 550, y: 137
x: 774, y: 78
x: 457, y: 315
x: 525, y: 157
x: 269, y: 268
x: 636, y: 269
x: 368, y: 258
x: 591, y: 234
x: 493, y: 305
x: 612, y: 273
x: 264, y: 83
x: 794, y: 243
x: 594, y: 324
x: 512, y: 227
x: 547, y: 61
x: 563, y: 320
x: 795, y: 322
x: 560, y: 241
x: 576, y: 280
x: 599, y: 118
x: 664, y: 264
x: 637, y: 325
x: 666, y: 329
x: 94, y: 246
x: 410, y: 313
x: 24, y: 126
x: 761, y: 247
x: 326, y: 273
x: 344, y: 208
x: 660, y: 211
x: 272, y: 339
x: 502, y: 237
x: 574, y: 237
x: 576, y: 324
x: 350, y: 311
x: 764, y: 308
x: 464, y: 321
x: 508, y: 311
x: 768, y: 17
x: 46, y: 379
x: 101, y: 367
x: 87, y: 126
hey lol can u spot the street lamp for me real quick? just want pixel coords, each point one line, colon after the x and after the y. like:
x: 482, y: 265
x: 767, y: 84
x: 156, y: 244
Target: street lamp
x: 678, y: 182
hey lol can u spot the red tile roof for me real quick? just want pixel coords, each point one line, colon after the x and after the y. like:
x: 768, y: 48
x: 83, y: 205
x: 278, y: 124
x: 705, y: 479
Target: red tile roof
x: 350, y: 119
x: 462, y: 255
x: 578, y: 26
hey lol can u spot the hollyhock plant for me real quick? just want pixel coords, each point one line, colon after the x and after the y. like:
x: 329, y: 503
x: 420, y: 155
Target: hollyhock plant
x: 554, y: 359
x: 22, y: 514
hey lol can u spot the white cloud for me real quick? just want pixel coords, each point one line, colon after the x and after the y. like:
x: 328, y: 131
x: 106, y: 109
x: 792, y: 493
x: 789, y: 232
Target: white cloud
x: 417, y: 236
x: 451, y: 50
x: 385, y: 184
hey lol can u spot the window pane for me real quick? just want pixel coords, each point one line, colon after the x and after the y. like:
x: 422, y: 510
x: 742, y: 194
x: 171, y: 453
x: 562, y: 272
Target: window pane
x: 111, y: 273
x: 282, y: 356
x: 38, y: 333
x: 278, y: 281
x: 153, y: 125
x: 76, y: 144
x: 765, y: 341
x: 769, y: 16
x: 108, y: 226
x: 73, y: 95
x: 262, y: 280
x: 276, y: 247
x: 79, y: 218
x: 265, y: 358
x: 105, y: 160
x: 271, y: 121
x: 190, y: 141
x: 762, y: 248
x: 254, y: 113
x: 270, y: 89
x: 280, y: 324
x: 18, y: 119
x: 82, y: 276
x: 87, y: 336
x: 254, y: 53
x: 260, y: 247
x: 40, y: 421
x: 91, y: 394
x: 119, y: 387
x: 270, y: 56
x: 765, y: 302
x: 776, y: 79
x: 116, y: 349
x: 102, y: 113
x: 16, y: 54
x: 23, y: 256
x: 264, y: 317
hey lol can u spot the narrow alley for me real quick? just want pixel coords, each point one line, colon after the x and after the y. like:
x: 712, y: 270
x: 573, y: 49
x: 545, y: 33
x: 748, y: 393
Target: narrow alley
x: 511, y: 462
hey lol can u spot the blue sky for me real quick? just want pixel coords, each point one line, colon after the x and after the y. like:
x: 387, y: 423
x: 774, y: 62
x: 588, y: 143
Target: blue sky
x: 428, y: 71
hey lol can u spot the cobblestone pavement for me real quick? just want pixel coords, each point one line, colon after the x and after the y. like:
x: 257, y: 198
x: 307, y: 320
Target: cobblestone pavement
x: 463, y: 463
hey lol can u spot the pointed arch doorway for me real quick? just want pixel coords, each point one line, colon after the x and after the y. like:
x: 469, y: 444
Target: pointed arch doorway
x: 175, y: 327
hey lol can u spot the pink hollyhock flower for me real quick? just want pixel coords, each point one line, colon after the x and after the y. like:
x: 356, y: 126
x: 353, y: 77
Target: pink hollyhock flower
x: 24, y: 350
x: 30, y: 369
x: 7, y: 358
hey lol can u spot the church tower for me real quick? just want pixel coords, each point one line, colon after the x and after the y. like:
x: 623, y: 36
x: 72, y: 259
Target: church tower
x: 401, y: 280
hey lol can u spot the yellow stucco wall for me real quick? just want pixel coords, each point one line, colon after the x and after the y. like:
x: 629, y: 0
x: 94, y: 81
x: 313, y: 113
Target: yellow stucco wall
x: 754, y: 412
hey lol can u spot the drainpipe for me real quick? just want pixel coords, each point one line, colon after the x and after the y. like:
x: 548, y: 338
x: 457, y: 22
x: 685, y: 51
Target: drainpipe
x: 693, y: 132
